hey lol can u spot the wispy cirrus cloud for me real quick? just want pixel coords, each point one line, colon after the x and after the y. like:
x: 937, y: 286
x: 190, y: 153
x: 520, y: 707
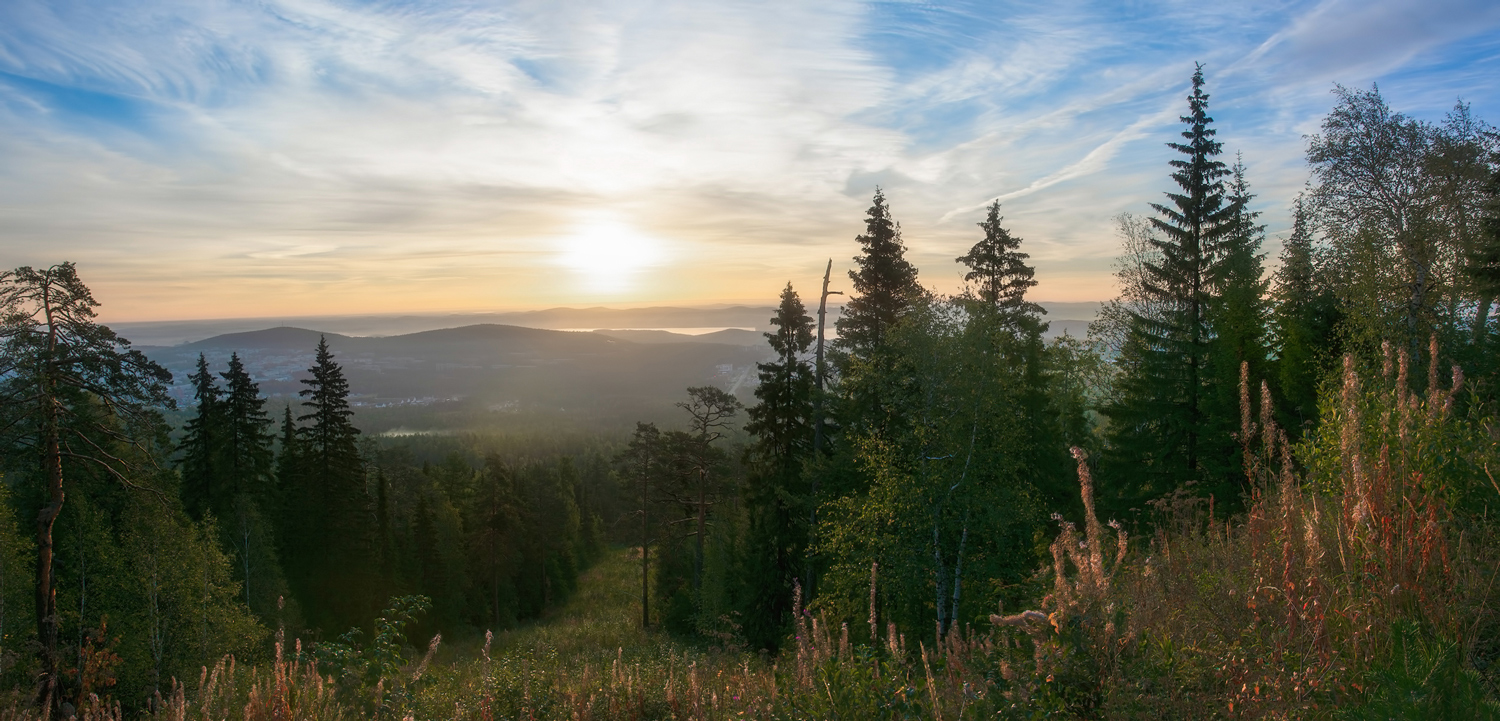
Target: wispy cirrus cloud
x: 253, y: 158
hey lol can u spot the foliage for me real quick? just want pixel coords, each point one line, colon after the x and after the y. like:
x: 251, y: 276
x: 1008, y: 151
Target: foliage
x: 375, y: 674
x: 1191, y: 295
x: 17, y: 624
x: 771, y: 554
x: 1304, y: 323
x: 885, y: 282
x: 999, y: 267
x: 946, y: 498
x: 326, y: 521
x: 70, y: 388
x: 1310, y: 540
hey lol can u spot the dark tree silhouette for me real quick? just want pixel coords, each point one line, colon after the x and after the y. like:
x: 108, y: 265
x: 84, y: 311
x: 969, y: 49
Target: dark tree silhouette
x: 884, y: 284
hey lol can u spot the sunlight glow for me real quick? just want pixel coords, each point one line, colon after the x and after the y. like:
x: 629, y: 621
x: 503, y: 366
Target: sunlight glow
x: 607, y: 255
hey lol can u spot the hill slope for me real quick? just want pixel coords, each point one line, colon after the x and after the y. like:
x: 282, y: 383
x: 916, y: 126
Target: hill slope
x: 487, y: 367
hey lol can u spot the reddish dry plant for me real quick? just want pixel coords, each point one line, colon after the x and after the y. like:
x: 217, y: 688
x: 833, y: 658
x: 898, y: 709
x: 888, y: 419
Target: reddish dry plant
x: 1321, y: 617
x: 1286, y: 608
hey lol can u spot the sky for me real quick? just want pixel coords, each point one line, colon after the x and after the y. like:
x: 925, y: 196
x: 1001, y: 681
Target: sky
x: 225, y: 158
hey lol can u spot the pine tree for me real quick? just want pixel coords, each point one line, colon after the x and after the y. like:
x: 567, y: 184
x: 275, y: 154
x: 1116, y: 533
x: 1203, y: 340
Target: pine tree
x: 710, y: 411
x: 998, y: 266
x: 776, y: 533
x: 69, y: 387
x: 641, y: 466
x: 885, y: 283
x: 201, y: 444
x: 1157, y: 416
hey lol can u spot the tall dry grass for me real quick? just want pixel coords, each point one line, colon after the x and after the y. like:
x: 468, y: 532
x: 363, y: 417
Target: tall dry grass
x: 1350, y: 587
x: 289, y: 690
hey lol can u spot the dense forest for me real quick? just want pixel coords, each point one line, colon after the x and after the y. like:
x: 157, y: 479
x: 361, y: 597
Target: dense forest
x: 1251, y: 492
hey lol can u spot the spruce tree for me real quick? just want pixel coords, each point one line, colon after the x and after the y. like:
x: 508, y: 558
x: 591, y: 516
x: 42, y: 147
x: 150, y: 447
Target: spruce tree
x: 1009, y: 327
x: 1237, y: 318
x: 997, y: 265
x: 1157, y: 415
x: 781, y: 423
x: 885, y: 284
x: 288, y: 488
x: 200, y: 444
x: 246, y: 428
x: 782, y: 420
x: 247, y: 464
x: 1305, y: 321
x: 885, y: 287
x: 333, y: 499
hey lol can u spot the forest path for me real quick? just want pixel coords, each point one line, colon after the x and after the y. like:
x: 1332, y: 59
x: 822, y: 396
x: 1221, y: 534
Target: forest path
x: 591, y: 659
x: 600, y: 624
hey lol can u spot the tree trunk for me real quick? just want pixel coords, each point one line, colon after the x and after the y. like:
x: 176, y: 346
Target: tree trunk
x: 46, y: 594
x: 812, y: 501
x: 245, y: 550
x: 940, y: 574
x: 645, y: 555
x: 1482, y: 317
x: 702, y: 528
x: 818, y: 370
x: 83, y: 597
x: 958, y: 568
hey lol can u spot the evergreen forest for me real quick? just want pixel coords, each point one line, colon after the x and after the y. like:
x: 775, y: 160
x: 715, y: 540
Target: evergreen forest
x: 1258, y: 488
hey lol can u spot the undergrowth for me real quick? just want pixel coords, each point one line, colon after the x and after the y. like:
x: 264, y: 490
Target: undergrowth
x: 1360, y: 583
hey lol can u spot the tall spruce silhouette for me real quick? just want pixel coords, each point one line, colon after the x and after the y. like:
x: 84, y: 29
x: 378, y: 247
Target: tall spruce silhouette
x: 1157, y: 416
x: 998, y: 269
x: 330, y: 502
x: 884, y: 284
x: 246, y: 429
x: 200, y: 445
x: 775, y: 494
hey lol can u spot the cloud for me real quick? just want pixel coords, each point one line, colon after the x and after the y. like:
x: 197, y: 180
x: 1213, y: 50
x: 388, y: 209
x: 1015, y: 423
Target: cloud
x: 1096, y: 160
x: 222, y: 156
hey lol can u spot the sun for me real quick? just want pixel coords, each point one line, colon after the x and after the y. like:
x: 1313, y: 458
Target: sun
x: 607, y: 254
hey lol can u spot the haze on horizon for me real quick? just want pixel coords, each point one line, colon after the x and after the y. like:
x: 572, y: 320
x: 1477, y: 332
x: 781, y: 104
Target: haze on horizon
x: 308, y: 157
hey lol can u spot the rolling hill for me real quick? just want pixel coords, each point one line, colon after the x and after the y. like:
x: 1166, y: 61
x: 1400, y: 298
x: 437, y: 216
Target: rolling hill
x: 485, y: 368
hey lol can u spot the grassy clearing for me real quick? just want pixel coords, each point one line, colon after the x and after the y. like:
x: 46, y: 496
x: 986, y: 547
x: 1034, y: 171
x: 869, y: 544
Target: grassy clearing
x: 591, y: 660
x: 599, y: 624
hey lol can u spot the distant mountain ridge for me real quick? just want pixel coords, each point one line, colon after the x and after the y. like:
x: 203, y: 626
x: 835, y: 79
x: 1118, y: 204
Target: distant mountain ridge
x: 488, y: 365
x: 281, y: 337
x: 168, y: 333
x: 665, y: 318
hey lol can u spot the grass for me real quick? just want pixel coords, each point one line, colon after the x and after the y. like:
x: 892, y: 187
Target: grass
x: 591, y: 660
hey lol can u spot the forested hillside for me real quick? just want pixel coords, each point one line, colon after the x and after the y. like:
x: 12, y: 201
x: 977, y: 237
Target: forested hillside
x: 1258, y: 488
x: 484, y: 375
